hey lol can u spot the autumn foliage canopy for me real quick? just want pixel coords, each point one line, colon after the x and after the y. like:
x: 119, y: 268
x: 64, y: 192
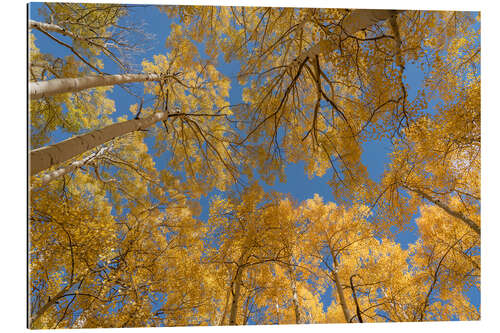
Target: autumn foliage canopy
x: 163, y: 214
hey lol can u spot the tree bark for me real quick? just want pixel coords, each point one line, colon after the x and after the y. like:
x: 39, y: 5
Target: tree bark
x: 447, y: 209
x: 69, y: 168
x: 71, y: 85
x: 45, y: 157
x: 295, y: 299
x: 340, y: 291
x: 236, y: 295
x: 357, y: 20
x: 52, y: 28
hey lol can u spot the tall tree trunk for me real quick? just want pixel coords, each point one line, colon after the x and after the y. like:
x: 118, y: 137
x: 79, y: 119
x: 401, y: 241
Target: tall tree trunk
x: 295, y: 299
x: 447, y: 209
x: 236, y: 295
x: 52, y: 28
x: 340, y: 291
x: 75, y: 165
x: 71, y: 85
x: 45, y: 157
x: 357, y: 20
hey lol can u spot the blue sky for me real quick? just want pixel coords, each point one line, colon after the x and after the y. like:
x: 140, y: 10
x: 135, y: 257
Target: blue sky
x: 298, y: 185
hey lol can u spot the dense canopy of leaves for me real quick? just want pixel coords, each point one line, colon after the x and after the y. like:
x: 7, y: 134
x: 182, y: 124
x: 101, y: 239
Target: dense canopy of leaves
x: 117, y: 235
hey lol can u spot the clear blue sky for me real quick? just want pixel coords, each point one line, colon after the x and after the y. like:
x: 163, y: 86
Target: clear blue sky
x: 298, y: 185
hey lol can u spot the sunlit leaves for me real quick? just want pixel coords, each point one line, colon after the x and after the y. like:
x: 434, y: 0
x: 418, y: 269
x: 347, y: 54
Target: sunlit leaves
x: 124, y: 240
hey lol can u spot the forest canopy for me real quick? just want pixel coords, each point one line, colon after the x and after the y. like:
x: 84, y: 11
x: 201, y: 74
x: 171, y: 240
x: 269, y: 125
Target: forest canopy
x: 160, y: 137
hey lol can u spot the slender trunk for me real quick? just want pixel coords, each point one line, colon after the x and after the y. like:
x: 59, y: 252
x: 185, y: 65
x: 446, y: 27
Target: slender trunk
x: 236, y: 295
x: 357, y: 20
x: 45, y: 157
x: 77, y: 164
x: 447, y: 209
x: 52, y: 28
x: 295, y: 299
x: 340, y: 291
x: 71, y: 85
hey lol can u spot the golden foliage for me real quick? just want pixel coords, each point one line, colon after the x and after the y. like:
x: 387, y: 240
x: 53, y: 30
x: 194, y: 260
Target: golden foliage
x: 123, y: 240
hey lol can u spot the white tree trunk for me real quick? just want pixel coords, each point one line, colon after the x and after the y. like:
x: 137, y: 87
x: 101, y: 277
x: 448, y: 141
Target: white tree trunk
x: 52, y: 28
x: 447, y: 209
x: 340, y: 291
x: 71, y: 85
x: 75, y: 165
x: 45, y: 157
x: 295, y: 299
x: 357, y: 20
